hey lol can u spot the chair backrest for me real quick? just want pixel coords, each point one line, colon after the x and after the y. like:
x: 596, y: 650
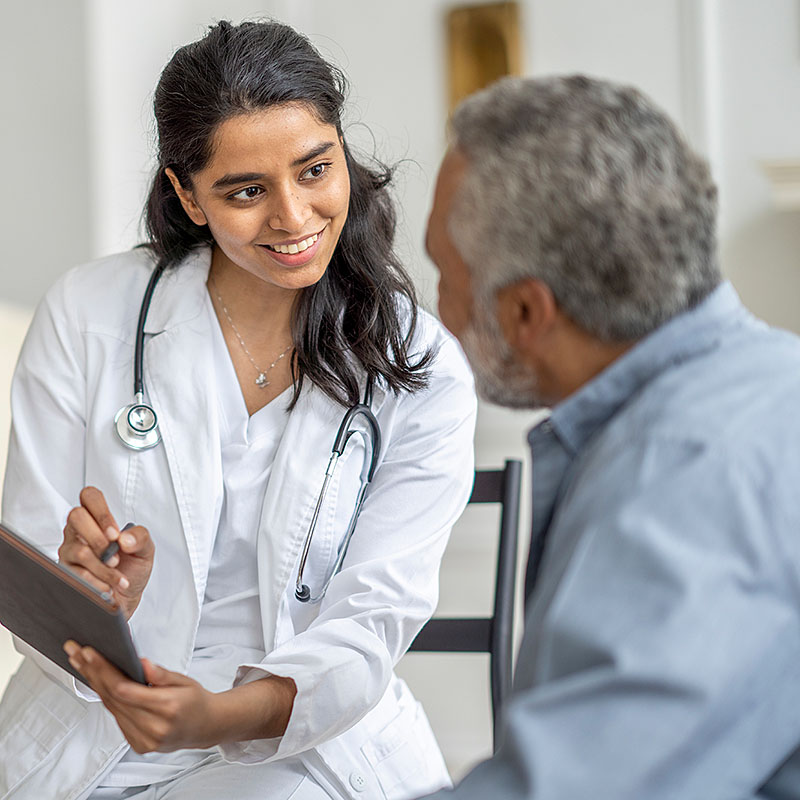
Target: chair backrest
x: 494, y: 634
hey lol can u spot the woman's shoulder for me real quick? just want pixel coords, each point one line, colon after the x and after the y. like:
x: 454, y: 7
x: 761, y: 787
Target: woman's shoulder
x: 104, y: 296
x: 446, y: 406
x: 106, y: 283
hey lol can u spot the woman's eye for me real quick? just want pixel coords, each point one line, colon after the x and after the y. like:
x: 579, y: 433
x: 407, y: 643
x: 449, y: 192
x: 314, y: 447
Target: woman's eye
x: 317, y: 171
x: 247, y: 193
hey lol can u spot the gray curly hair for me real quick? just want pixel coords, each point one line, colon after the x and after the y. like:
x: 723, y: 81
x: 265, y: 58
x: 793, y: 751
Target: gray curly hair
x: 590, y: 188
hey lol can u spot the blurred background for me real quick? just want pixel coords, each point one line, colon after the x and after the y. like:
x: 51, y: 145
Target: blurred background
x: 77, y: 77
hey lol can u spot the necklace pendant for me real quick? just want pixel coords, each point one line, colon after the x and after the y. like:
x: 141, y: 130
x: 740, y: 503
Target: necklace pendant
x: 261, y: 380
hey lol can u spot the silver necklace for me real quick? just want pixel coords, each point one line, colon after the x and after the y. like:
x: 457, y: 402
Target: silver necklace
x: 261, y: 381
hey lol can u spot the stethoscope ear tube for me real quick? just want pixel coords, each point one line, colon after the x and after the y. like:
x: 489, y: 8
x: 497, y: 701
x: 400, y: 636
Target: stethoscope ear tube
x: 301, y: 591
x: 372, y: 447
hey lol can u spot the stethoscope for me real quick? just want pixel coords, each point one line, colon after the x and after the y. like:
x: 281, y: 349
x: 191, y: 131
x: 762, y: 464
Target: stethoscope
x: 137, y: 424
x: 137, y: 427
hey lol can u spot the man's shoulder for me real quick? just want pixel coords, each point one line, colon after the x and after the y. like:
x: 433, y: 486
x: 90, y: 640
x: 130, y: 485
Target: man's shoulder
x: 744, y: 390
x: 713, y: 441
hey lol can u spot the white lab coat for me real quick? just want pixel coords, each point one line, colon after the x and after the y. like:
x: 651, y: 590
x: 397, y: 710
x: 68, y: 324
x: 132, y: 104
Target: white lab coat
x: 362, y: 733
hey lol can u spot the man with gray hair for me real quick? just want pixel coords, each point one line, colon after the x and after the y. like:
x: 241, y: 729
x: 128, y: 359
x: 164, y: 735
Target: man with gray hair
x: 574, y: 233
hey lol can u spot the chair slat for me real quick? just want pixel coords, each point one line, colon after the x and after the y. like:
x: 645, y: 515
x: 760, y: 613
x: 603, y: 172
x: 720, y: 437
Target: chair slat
x: 460, y: 635
x: 493, y: 634
x: 488, y: 486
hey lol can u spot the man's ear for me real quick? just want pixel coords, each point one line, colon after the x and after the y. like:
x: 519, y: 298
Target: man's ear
x: 527, y: 312
x: 186, y: 196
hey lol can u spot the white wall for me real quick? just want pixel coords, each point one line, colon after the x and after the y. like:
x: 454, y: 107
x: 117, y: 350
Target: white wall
x: 14, y: 321
x: 759, y: 119
x: 44, y: 213
x: 727, y: 70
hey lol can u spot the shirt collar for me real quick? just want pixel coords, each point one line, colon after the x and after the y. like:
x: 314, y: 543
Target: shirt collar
x: 575, y: 419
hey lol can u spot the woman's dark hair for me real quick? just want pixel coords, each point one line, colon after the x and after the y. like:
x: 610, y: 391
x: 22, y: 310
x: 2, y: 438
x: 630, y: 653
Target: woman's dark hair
x: 363, y: 311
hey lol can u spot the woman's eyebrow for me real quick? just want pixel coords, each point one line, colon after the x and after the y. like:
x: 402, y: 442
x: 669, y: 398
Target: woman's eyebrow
x: 238, y: 177
x: 315, y: 152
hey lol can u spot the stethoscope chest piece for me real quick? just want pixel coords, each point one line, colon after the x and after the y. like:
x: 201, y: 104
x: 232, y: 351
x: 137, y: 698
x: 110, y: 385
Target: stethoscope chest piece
x: 137, y: 426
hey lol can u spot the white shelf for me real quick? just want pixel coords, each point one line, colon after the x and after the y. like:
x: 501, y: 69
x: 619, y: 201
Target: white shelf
x: 784, y: 178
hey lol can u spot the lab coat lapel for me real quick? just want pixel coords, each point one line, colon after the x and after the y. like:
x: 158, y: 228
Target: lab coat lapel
x: 179, y: 373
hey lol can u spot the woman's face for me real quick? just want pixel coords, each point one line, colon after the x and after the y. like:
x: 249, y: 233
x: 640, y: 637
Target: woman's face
x: 274, y: 194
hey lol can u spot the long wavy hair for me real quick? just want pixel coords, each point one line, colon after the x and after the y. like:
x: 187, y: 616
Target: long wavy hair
x: 360, y: 317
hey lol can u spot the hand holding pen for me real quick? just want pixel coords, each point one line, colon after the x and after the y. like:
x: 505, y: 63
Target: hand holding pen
x: 113, y: 548
x: 116, y: 562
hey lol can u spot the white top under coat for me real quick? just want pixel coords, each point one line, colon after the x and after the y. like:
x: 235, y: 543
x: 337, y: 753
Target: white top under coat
x: 231, y: 612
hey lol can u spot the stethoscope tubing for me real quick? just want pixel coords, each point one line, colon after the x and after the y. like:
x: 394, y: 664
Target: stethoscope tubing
x: 372, y: 444
x: 138, y: 353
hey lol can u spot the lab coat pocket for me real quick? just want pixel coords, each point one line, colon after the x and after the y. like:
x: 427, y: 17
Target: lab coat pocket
x: 401, y: 753
x: 37, y: 714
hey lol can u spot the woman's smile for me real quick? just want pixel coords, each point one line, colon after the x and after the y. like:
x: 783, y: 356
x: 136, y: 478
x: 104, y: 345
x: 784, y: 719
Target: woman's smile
x: 296, y: 252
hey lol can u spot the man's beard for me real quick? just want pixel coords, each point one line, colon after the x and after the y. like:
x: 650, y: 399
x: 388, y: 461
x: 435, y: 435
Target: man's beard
x: 498, y: 377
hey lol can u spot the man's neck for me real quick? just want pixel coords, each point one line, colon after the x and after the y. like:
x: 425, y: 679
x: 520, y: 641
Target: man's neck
x: 574, y: 358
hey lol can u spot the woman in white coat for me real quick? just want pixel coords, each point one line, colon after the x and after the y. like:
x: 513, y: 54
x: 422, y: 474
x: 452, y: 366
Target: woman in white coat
x: 280, y: 300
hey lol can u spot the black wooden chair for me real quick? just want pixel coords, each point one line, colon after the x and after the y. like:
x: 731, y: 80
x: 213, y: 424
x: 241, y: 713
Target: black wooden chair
x: 494, y: 634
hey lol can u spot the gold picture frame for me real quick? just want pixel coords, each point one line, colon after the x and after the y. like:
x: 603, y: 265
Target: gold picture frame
x: 484, y: 43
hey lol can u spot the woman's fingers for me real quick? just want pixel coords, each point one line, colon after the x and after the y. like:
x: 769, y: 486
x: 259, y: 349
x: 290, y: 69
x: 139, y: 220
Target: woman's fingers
x: 83, y: 559
x: 136, y: 541
x: 90, y: 578
x: 81, y: 527
x: 94, y: 502
x: 89, y: 531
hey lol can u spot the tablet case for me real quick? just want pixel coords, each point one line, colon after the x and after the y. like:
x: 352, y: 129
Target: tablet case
x: 45, y: 604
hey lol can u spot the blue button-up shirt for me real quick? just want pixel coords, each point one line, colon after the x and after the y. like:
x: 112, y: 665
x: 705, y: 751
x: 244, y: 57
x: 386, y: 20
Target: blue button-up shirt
x: 661, y: 654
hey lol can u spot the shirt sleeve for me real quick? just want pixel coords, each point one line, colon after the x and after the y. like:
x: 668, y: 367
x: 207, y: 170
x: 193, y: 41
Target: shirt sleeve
x: 663, y: 660
x: 47, y: 394
x: 388, y: 586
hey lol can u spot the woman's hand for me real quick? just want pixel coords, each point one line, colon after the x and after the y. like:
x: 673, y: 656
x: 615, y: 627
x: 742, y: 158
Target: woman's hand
x: 171, y: 713
x: 175, y: 711
x: 89, y: 530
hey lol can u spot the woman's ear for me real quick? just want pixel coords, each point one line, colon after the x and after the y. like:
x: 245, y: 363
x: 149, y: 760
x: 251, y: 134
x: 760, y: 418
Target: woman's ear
x: 527, y: 311
x: 186, y: 196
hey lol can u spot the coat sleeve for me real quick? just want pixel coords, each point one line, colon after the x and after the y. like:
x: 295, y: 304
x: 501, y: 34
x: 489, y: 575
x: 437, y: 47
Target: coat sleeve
x: 388, y: 586
x: 48, y: 401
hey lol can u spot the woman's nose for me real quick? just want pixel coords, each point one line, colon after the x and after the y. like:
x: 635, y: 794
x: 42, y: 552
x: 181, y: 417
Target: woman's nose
x: 290, y: 211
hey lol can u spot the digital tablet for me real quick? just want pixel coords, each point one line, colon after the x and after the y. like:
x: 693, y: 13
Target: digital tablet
x: 45, y: 604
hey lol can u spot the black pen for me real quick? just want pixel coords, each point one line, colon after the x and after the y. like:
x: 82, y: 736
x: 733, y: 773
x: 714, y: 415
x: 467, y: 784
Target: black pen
x: 113, y: 548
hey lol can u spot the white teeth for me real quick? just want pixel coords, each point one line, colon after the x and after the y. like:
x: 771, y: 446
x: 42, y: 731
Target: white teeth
x: 297, y: 247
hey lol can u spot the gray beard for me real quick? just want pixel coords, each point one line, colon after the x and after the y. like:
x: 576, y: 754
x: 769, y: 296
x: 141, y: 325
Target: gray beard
x: 499, y: 378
